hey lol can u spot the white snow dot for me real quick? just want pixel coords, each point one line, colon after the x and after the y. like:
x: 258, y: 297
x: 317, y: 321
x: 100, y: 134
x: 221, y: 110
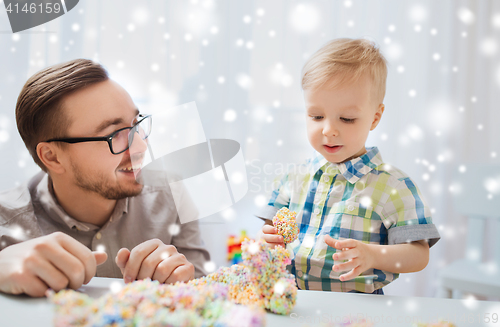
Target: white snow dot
x: 387, y: 40
x: 279, y: 288
x: 205, y: 42
x: 366, y: 202
x: 489, y: 47
x: 415, y: 132
x: 305, y: 18
x: 470, y: 302
x: 434, y: 31
x: 425, y: 177
x: 384, y: 137
x: 480, y: 127
x: 174, y: 229
x: 436, y: 56
x: 131, y: 27
x: 161, y: 20
x: 418, y: 13
x: 495, y: 20
x: 464, y: 34
x: 115, y: 287
x: 253, y: 248
x: 210, y: 266
x: 417, y: 28
x: 260, y: 201
x: 214, y: 30
x: 188, y: 37
x: 244, y: 81
x: 455, y: 69
x: 347, y: 3
x: 391, y: 28
x: 249, y: 45
x: 221, y: 80
x: 462, y: 169
x: 493, y: 154
x: 155, y: 67
x: 260, y: 12
x: 75, y: 27
x: 239, y: 42
x: 247, y: 19
x: 21, y: 163
x: 401, y: 69
x: 166, y: 36
x: 100, y: 248
x: 350, y: 23
x: 272, y: 33
x: 279, y: 143
x: 473, y: 99
x: 4, y: 136
x: 432, y: 168
x: 53, y: 39
x: 228, y: 214
x: 466, y: 15
x: 230, y: 115
x: 412, y: 93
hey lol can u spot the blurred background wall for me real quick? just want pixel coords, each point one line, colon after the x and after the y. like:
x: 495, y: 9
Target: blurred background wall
x: 241, y: 61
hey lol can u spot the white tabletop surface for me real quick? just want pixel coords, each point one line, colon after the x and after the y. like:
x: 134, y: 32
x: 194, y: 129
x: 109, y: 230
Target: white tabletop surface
x: 312, y: 309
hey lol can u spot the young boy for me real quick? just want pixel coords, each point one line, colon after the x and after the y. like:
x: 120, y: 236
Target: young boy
x: 362, y: 222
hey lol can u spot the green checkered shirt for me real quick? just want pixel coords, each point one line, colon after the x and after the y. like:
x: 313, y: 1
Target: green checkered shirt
x: 363, y: 199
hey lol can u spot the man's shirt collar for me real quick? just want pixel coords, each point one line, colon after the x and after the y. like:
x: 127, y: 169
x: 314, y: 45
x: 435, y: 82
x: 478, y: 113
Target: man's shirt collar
x: 352, y: 170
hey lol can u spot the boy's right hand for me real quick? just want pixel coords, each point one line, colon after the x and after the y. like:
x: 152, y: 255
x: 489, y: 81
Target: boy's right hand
x: 55, y: 261
x: 271, y: 237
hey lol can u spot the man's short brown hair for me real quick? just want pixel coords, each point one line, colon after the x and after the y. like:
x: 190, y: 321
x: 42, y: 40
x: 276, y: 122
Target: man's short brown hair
x: 39, y: 113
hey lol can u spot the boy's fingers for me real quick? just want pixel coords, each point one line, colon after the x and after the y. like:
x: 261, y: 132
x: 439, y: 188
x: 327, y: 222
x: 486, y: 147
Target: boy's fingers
x: 268, y: 229
x: 330, y: 241
x: 270, y: 238
x: 349, y: 243
x: 346, y: 266
x: 350, y: 275
x: 346, y: 254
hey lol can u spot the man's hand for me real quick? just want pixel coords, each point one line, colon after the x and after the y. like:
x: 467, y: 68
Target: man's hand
x: 155, y: 260
x: 358, y: 253
x: 55, y: 261
x: 269, y: 234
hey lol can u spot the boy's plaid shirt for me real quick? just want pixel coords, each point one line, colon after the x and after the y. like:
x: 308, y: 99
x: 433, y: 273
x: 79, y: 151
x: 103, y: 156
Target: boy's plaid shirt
x: 362, y: 199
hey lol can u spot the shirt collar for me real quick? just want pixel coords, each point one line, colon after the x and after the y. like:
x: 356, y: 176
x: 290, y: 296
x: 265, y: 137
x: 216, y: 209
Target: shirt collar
x: 352, y: 170
x: 49, y: 202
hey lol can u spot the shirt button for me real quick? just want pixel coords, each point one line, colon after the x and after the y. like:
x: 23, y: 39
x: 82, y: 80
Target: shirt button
x: 350, y: 207
x: 300, y: 273
x: 98, y: 236
x: 326, y: 178
x: 316, y: 211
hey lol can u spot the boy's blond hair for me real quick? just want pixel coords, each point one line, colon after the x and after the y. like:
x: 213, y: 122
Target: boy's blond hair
x: 346, y: 60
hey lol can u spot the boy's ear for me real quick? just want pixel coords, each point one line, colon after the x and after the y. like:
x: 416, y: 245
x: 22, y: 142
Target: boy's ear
x: 49, y: 155
x: 378, y: 116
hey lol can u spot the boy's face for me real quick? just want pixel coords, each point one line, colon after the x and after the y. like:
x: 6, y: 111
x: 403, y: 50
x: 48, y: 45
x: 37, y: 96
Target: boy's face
x: 339, y: 119
x: 91, y: 165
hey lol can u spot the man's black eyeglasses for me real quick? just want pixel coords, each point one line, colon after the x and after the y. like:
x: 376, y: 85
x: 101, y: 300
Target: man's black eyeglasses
x: 120, y: 140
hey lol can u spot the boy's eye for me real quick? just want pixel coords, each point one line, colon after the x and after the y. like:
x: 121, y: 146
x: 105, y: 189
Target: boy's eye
x: 317, y: 117
x: 348, y: 120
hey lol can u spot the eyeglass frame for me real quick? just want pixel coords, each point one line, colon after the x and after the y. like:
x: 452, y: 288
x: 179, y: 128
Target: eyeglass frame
x: 107, y: 138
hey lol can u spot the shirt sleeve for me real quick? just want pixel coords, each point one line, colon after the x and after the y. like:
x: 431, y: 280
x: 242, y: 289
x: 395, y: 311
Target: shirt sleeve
x: 406, y: 215
x: 279, y: 198
x: 189, y: 243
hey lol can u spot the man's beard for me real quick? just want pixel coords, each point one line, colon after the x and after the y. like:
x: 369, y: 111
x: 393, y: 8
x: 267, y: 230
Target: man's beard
x: 97, y: 183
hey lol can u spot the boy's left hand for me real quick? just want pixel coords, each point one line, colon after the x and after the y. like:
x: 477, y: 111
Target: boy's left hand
x: 358, y: 253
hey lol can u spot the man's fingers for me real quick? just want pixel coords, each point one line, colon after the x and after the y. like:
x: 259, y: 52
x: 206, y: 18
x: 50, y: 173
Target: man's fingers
x: 182, y: 273
x: 49, y: 274
x: 137, y: 255
x: 35, y: 287
x: 62, y: 261
x: 100, y: 257
x: 150, y: 263
x: 165, y: 268
x: 122, y: 257
x: 81, y: 252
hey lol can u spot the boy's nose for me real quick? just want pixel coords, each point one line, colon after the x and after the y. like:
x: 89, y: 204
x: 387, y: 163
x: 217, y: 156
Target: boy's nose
x: 330, y: 130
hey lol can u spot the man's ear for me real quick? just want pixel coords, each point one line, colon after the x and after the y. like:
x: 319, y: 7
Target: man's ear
x: 49, y: 154
x: 378, y: 116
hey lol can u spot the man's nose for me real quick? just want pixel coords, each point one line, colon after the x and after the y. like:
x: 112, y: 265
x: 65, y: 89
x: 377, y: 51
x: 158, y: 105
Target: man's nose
x: 138, y: 144
x: 329, y: 129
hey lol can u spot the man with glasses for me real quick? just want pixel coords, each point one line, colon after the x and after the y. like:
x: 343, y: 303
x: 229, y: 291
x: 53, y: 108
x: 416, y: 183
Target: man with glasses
x: 57, y: 230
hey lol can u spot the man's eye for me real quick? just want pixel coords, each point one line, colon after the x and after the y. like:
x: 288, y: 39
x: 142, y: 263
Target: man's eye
x: 348, y: 120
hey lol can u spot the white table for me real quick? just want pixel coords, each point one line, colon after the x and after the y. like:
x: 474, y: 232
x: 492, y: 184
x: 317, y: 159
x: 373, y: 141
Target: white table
x: 312, y: 309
